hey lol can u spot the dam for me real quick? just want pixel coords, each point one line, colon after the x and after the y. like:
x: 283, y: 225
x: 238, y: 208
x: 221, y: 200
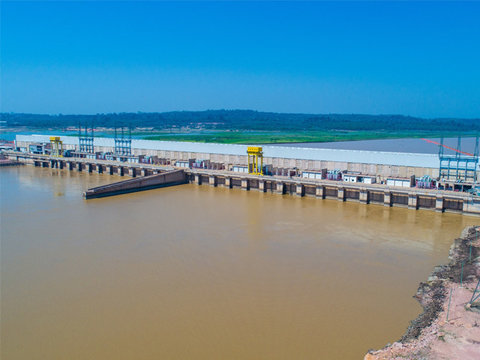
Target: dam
x: 295, y: 171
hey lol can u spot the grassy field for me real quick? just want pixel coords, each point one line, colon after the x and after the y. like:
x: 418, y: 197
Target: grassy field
x: 246, y: 137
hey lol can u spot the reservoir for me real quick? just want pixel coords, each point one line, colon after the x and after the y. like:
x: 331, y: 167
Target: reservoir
x: 195, y: 272
x: 408, y: 145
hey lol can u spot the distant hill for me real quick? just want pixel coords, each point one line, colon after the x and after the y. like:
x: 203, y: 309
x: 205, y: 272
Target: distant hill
x: 245, y: 120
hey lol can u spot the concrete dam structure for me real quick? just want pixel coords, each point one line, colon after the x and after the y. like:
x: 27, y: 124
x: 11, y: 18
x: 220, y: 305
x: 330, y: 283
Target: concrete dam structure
x: 380, y: 164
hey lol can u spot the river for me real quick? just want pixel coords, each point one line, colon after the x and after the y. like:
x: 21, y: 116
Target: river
x: 408, y: 145
x: 194, y: 272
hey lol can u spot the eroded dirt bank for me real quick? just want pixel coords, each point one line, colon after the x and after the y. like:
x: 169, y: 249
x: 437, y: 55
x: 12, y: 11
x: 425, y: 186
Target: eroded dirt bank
x: 449, y: 327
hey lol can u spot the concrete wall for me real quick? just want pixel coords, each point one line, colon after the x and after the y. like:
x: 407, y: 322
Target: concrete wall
x: 142, y: 183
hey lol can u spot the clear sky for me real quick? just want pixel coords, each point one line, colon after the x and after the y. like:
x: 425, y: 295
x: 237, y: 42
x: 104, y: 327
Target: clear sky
x: 420, y: 59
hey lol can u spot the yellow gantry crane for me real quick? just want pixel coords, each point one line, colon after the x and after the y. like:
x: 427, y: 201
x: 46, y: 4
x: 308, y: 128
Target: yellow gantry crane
x: 255, y: 160
x: 57, y: 146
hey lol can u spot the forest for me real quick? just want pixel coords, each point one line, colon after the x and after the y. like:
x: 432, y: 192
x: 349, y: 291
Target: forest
x: 248, y: 126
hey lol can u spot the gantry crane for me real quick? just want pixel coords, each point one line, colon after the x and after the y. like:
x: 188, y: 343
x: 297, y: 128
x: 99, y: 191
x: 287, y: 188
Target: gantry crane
x: 57, y: 146
x: 255, y: 160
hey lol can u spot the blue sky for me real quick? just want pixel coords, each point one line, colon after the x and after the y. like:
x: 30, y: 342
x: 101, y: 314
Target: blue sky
x: 420, y: 59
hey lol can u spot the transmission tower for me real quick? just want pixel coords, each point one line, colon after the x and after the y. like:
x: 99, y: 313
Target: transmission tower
x: 85, y: 138
x: 123, y: 140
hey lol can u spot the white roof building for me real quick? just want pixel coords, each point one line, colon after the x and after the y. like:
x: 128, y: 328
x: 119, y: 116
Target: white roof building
x: 286, y: 152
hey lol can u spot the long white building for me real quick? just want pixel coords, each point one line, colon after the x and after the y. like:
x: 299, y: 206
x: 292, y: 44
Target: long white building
x: 384, y: 164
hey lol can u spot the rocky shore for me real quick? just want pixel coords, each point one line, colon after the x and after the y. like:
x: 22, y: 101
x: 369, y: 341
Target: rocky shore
x: 449, y: 327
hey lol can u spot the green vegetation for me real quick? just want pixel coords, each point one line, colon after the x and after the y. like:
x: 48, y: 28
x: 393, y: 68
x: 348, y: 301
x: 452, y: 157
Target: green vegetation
x: 246, y: 126
x: 229, y: 137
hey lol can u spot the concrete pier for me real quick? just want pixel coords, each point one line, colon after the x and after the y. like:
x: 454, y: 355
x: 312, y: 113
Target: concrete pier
x: 300, y: 190
x: 387, y: 198
x: 245, y: 184
x: 212, y: 180
x: 198, y: 179
x: 439, y: 203
x: 280, y: 188
x: 412, y: 201
x: 320, y: 192
x: 364, y: 196
x: 261, y: 185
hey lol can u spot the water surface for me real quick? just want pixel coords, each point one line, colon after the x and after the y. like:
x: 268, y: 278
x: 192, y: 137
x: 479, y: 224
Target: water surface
x: 394, y: 145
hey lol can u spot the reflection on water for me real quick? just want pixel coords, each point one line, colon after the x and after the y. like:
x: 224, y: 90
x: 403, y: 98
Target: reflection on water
x: 192, y: 272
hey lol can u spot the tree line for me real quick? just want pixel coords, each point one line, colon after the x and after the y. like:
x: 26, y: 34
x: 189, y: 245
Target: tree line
x: 245, y: 120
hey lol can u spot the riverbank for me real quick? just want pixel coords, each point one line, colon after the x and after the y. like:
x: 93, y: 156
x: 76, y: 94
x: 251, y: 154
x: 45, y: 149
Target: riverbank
x: 449, y: 327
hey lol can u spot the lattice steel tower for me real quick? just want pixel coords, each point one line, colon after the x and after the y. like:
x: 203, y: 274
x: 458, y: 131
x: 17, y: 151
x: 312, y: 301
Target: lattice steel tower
x: 123, y: 140
x: 85, y: 139
x: 461, y: 166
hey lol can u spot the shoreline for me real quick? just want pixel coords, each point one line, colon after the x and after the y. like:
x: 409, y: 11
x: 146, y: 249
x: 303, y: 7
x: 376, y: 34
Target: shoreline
x: 448, y: 327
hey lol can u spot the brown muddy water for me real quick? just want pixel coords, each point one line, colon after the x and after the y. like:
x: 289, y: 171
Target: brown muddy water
x: 193, y: 272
